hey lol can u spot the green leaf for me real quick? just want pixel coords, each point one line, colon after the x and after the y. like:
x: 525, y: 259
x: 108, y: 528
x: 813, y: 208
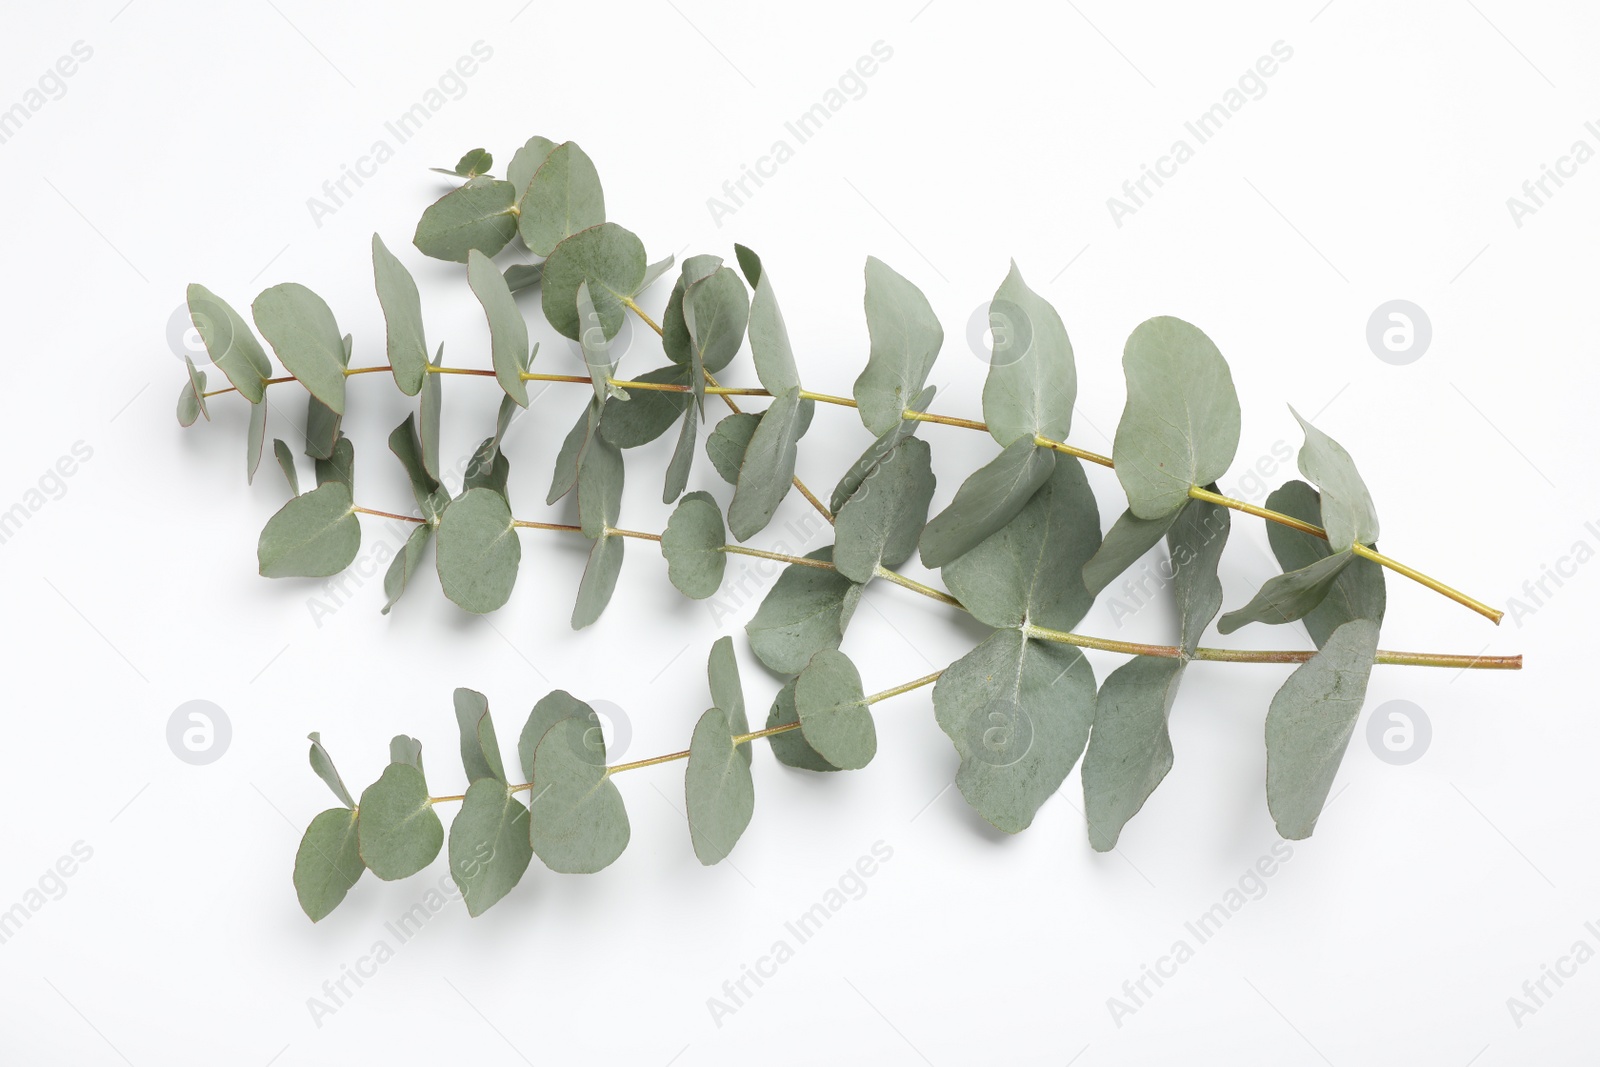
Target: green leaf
x: 406, y: 444
x: 508, y: 330
x: 230, y: 344
x: 480, y: 749
x: 1130, y: 750
x: 599, y: 581
x: 1348, y: 516
x: 905, y: 336
x: 648, y: 413
x: 286, y: 464
x: 476, y: 162
x: 554, y: 707
x: 327, y: 863
x: 727, y: 692
x: 399, y: 833
x: 833, y: 711
x: 597, y: 350
x: 526, y: 162
x: 1019, y: 713
x: 1358, y: 592
x: 402, y: 317
x: 1180, y: 427
x: 478, y: 552
x: 565, y: 476
x: 677, y: 478
x: 192, y: 399
x: 405, y: 563
x: 1310, y: 722
x: 428, y: 422
x: 299, y: 326
x: 675, y: 339
x: 716, y: 311
x: 886, y: 443
x: 407, y: 750
x: 881, y: 521
x: 255, y: 436
x: 339, y: 466
x: 312, y: 536
x: 718, y: 791
x: 1129, y: 538
x: 805, y: 612
x: 768, y: 468
x: 600, y: 480
x: 322, y: 764
x: 562, y: 197
x: 656, y: 270
x: 520, y: 276
x: 1032, y: 381
x: 580, y: 824
x: 322, y: 428
x: 1195, y: 542
x: 480, y: 215
x: 692, y: 546
x: 1287, y: 597
x: 991, y: 496
x: 791, y: 747
x: 1030, y: 571
x: 729, y: 441
x: 769, y: 337
x: 489, y: 848
x: 610, y: 259
x: 489, y: 468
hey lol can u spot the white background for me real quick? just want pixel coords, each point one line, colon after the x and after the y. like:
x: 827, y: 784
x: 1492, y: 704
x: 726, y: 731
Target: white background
x: 1376, y: 166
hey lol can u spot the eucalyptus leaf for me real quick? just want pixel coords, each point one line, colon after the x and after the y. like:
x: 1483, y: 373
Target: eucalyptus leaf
x: 804, y: 612
x: 476, y: 162
x: 1130, y: 750
x: 508, y: 330
x: 565, y: 476
x: 480, y: 750
x: 300, y: 327
x: 192, y: 400
x: 1348, y: 516
x: 886, y: 443
x: 648, y: 413
x: 478, y: 551
x: 716, y: 310
x: 768, y: 468
x: 428, y: 421
x: 478, y: 216
x: 255, y: 437
x: 1030, y: 571
x: 1358, y: 592
x: 729, y: 440
x: 322, y: 428
x: 489, y: 847
x: 675, y: 339
x: 328, y: 862
x: 286, y: 464
x: 399, y: 832
x: 1195, y: 543
x: 489, y: 469
x: 322, y: 764
x: 551, y: 709
x: 883, y: 518
x: 610, y: 259
x: 692, y: 545
x: 596, y: 349
x: 1019, y: 713
x: 580, y: 824
x: 520, y: 276
x: 402, y: 317
x: 406, y: 444
x: 600, y: 482
x: 340, y: 465
x: 312, y: 536
x: 833, y: 711
x: 1310, y: 722
x: 791, y: 747
x: 599, y: 580
x: 526, y: 161
x: 905, y: 339
x: 718, y: 791
x: 1180, y: 427
x: 407, y: 750
x: 1032, y: 382
x: 727, y: 692
x: 1287, y: 597
x: 562, y: 197
x: 991, y: 496
x: 656, y: 270
x: 1129, y: 538
x: 230, y: 344
x: 769, y: 337
x: 404, y: 565
x: 677, y: 477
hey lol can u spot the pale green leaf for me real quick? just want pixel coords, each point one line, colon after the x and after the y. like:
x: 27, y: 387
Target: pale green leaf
x: 1358, y: 592
x: 192, y: 399
x: 596, y: 349
x: 230, y: 344
x: 886, y: 443
x: 905, y: 340
x: 565, y: 476
x: 727, y: 692
x: 402, y: 317
x: 404, y: 565
x: 340, y: 465
x: 989, y: 498
x: 1130, y: 750
x: 520, y: 276
x: 883, y: 518
x: 478, y: 216
x: 677, y: 477
x: 610, y: 259
x: 600, y: 483
x: 718, y: 790
x: 768, y: 468
x: 525, y: 163
x: 478, y: 551
x: 322, y: 764
x: 300, y: 327
x: 716, y: 310
x: 1287, y: 597
x: 322, y: 428
x: 580, y: 824
x: 692, y: 546
x: 286, y: 464
x: 834, y: 716
x: 648, y: 413
x: 489, y: 847
x: 805, y: 612
x: 508, y: 330
x: 1129, y: 538
x: 255, y: 436
x: 552, y: 708
x: 1348, y: 516
x: 1032, y: 381
x: 399, y: 832
x: 790, y: 747
x: 561, y: 198
x: 728, y: 442
x: 675, y: 339
x: 407, y: 750
x: 769, y: 337
x: 428, y: 421
x: 328, y: 862
x: 1195, y: 542
x: 476, y: 162
x: 1019, y: 713
x: 406, y: 444
x: 599, y: 580
x: 312, y: 536
x: 480, y: 749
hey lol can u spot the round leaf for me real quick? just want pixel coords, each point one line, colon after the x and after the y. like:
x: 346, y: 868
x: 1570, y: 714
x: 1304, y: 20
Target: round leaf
x: 302, y: 331
x: 804, y: 612
x: 882, y: 520
x: 580, y: 824
x: 833, y: 712
x: 562, y: 197
x: 327, y: 863
x: 489, y: 848
x: 718, y: 791
x: 399, y: 833
x: 230, y: 344
x: 312, y: 536
x: 791, y: 747
x: 610, y: 259
x: 692, y: 545
x: 478, y: 552
x: 989, y: 498
x: 478, y: 216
